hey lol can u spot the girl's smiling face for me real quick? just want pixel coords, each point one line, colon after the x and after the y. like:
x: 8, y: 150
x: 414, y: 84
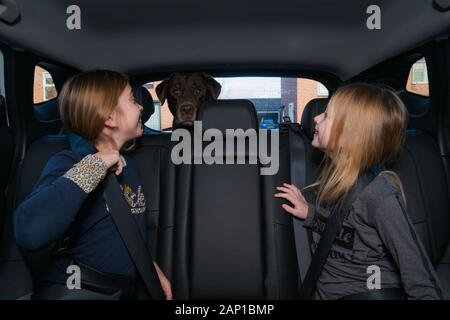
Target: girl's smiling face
x: 130, y: 122
x: 323, y: 124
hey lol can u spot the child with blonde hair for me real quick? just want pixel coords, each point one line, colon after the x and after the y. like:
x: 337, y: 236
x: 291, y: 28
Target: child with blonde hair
x: 362, y: 131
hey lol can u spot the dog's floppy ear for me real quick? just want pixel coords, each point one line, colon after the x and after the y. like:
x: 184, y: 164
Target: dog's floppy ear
x: 161, y: 90
x: 212, y: 86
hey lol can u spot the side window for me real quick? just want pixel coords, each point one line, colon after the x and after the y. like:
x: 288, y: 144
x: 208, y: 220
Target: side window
x: 274, y: 98
x: 44, y: 88
x: 418, y: 78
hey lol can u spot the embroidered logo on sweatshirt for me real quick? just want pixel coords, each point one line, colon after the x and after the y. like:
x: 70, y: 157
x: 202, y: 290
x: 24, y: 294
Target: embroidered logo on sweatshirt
x: 136, y: 200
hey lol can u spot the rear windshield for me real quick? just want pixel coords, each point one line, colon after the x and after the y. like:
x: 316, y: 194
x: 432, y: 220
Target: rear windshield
x: 274, y: 98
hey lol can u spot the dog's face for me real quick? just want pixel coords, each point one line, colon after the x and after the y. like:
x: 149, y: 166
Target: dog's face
x: 185, y: 92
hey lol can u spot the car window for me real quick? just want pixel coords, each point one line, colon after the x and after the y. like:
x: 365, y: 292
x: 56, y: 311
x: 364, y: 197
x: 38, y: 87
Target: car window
x: 418, y: 78
x: 44, y: 89
x: 273, y: 97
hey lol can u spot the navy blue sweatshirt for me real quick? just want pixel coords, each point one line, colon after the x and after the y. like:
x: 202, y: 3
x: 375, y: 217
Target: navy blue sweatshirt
x: 69, y: 194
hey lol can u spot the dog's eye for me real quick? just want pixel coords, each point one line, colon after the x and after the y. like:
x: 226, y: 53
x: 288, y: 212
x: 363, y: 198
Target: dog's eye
x: 197, y: 91
x: 176, y: 92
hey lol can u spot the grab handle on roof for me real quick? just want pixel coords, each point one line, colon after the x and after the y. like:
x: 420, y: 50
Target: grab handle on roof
x: 9, y: 11
x: 442, y: 5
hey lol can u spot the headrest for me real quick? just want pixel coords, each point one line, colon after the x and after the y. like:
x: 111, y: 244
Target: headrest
x: 47, y: 111
x: 228, y: 114
x: 145, y: 99
x: 415, y: 104
x: 312, y: 109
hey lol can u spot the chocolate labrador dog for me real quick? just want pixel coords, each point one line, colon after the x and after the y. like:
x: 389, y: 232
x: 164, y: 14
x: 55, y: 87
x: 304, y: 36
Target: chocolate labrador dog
x: 185, y: 92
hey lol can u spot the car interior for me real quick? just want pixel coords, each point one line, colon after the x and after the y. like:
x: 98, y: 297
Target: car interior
x: 216, y: 230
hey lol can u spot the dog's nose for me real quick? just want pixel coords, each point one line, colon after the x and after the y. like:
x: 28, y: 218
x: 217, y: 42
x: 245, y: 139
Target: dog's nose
x: 187, y: 107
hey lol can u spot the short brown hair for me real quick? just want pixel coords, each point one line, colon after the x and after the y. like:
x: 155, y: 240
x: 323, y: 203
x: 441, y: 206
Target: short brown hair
x: 88, y: 99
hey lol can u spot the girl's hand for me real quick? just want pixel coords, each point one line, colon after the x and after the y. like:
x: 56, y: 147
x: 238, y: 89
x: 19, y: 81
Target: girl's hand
x: 165, y: 283
x: 291, y: 193
x: 112, y: 159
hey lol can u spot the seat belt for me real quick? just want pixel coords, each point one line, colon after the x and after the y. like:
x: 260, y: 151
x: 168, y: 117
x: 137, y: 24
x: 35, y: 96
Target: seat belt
x: 129, y: 231
x: 298, y: 178
x: 334, y: 222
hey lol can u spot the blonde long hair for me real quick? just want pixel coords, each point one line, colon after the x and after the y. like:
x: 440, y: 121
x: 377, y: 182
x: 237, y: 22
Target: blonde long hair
x: 369, y: 125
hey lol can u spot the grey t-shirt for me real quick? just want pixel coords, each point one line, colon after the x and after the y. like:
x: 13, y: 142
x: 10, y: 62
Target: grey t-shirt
x: 376, y: 236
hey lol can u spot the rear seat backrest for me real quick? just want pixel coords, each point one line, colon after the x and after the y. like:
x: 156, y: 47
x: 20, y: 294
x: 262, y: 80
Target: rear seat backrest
x: 237, y: 249
x: 226, y: 220
x: 18, y: 268
x: 157, y: 174
x: 423, y: 176
x: 422, y: 172
x: 37, y: 155
x: 425, y: 181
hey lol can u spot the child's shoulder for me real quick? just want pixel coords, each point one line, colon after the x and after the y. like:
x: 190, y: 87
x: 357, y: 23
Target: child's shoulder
x: 65, y: 155
x: 378, y: 189
x: 61, y: 160
x: 382, y: 200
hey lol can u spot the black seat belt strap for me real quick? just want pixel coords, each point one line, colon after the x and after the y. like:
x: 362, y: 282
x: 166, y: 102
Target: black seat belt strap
x: 298, y: 178
x: 334, y: 222
x: 129, y: 231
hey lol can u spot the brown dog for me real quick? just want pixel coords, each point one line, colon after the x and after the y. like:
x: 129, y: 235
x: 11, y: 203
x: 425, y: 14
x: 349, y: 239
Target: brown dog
x: 185, y: 92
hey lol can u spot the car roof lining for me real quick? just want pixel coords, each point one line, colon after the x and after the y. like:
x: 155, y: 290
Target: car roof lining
x: 138, y: 37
